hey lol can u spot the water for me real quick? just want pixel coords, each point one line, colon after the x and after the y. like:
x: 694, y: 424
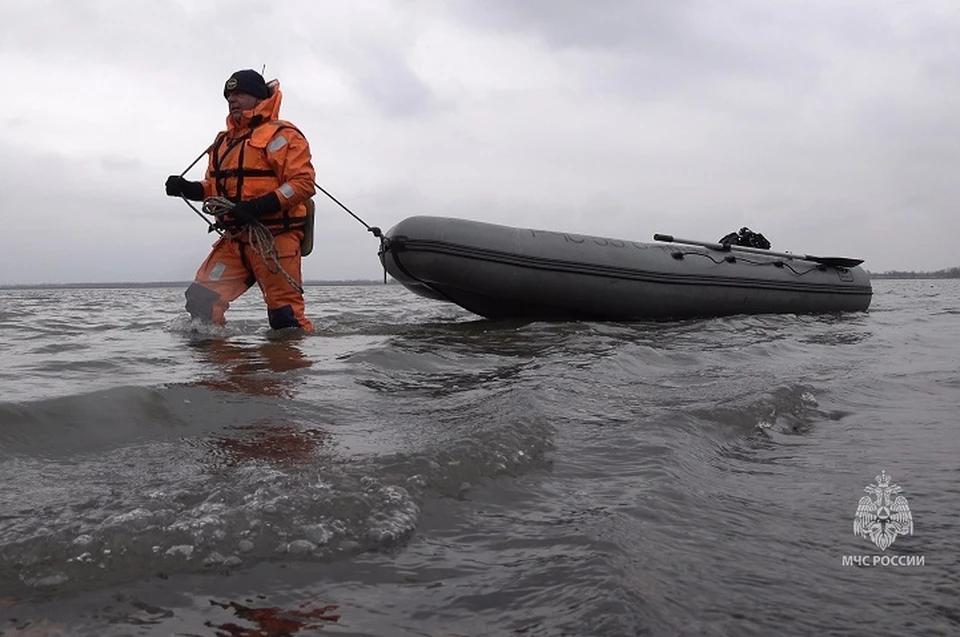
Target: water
x: 412, y: 470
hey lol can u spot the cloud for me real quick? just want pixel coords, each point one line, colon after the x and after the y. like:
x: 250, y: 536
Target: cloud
x: 374, y: 61
x: 615, y: 24
x: 825, y: 126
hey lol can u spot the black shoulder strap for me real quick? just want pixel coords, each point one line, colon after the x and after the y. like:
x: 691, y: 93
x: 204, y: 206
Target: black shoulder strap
x: 220, y: 175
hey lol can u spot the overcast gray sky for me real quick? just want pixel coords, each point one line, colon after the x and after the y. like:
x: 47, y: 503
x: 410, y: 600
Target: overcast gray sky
x: 828, y: 125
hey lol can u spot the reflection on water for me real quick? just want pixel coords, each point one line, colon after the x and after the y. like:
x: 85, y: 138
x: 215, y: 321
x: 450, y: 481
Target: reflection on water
x: 272, y: 621
x: 260, y: 369
x: 276, y: 444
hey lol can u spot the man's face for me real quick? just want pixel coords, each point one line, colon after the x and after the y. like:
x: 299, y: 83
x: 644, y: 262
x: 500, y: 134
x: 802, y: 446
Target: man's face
x: 239, y: 102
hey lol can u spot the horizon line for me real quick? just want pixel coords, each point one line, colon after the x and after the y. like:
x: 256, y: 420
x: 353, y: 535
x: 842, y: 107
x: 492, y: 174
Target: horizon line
x: 106, y: 284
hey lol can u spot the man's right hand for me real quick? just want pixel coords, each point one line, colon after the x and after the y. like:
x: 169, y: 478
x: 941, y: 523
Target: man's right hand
x: 177, y: 186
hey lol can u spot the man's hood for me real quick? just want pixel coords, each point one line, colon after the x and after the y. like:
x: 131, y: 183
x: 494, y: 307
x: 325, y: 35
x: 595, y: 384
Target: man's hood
x: 268, y: 110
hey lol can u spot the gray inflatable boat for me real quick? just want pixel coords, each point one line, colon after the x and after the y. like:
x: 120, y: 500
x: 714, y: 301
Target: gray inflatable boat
x: 501, y: 272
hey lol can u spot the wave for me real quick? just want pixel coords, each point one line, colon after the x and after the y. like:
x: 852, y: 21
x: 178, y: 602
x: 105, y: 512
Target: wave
x: 100, y: 420
x: 128, y: 482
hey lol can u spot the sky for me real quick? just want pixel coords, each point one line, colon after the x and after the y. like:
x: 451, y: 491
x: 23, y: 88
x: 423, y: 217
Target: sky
x: 830, y: 126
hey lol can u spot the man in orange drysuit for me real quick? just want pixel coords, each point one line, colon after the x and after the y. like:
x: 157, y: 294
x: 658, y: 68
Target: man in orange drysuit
x: 263, y: 165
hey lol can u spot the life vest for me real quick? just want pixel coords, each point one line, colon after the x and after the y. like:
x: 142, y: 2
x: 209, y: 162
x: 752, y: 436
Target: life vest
x: 240, y: 171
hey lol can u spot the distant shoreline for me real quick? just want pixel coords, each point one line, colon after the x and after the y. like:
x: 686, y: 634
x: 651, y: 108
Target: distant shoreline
x: 919, y: 276
x: 170, y: 284
x: 949, y: 273
x: 946, y: 273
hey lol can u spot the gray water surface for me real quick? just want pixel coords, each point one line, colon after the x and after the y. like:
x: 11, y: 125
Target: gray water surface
x: 431, y: 473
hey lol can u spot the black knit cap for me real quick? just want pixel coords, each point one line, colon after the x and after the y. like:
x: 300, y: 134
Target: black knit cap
x: 247, y: 81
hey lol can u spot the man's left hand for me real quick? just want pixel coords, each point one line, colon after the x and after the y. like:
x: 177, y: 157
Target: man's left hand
x: 247, y: 211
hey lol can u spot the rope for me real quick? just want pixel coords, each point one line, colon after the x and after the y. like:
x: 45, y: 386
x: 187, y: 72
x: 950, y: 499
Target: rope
x: 258, y: 236
x: 211, y: 227
x: 384, y: 241
x: 373, y: 229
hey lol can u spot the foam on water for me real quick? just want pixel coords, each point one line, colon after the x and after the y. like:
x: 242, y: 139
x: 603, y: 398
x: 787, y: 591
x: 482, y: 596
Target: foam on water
x: 106, y: 504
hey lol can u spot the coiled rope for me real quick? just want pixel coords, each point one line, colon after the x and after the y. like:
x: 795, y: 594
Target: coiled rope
x: 257, y: 235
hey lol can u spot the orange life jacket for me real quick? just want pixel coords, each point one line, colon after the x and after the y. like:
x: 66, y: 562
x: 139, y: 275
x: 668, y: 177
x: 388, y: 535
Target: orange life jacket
x: 259, y: 154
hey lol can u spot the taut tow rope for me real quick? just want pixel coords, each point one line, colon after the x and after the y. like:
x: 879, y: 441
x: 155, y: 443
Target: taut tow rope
x: 375, y: 230
x: 211, y: 227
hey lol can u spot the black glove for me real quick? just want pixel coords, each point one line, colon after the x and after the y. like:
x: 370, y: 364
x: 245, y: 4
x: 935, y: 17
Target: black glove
x: 247, y: 211
x: 177, y: 186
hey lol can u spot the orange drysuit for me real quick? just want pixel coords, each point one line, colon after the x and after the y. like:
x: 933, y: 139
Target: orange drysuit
x: 255, y: 156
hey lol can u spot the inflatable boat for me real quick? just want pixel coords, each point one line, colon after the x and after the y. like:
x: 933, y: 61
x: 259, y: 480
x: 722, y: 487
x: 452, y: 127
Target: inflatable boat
x: 501, y: 272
